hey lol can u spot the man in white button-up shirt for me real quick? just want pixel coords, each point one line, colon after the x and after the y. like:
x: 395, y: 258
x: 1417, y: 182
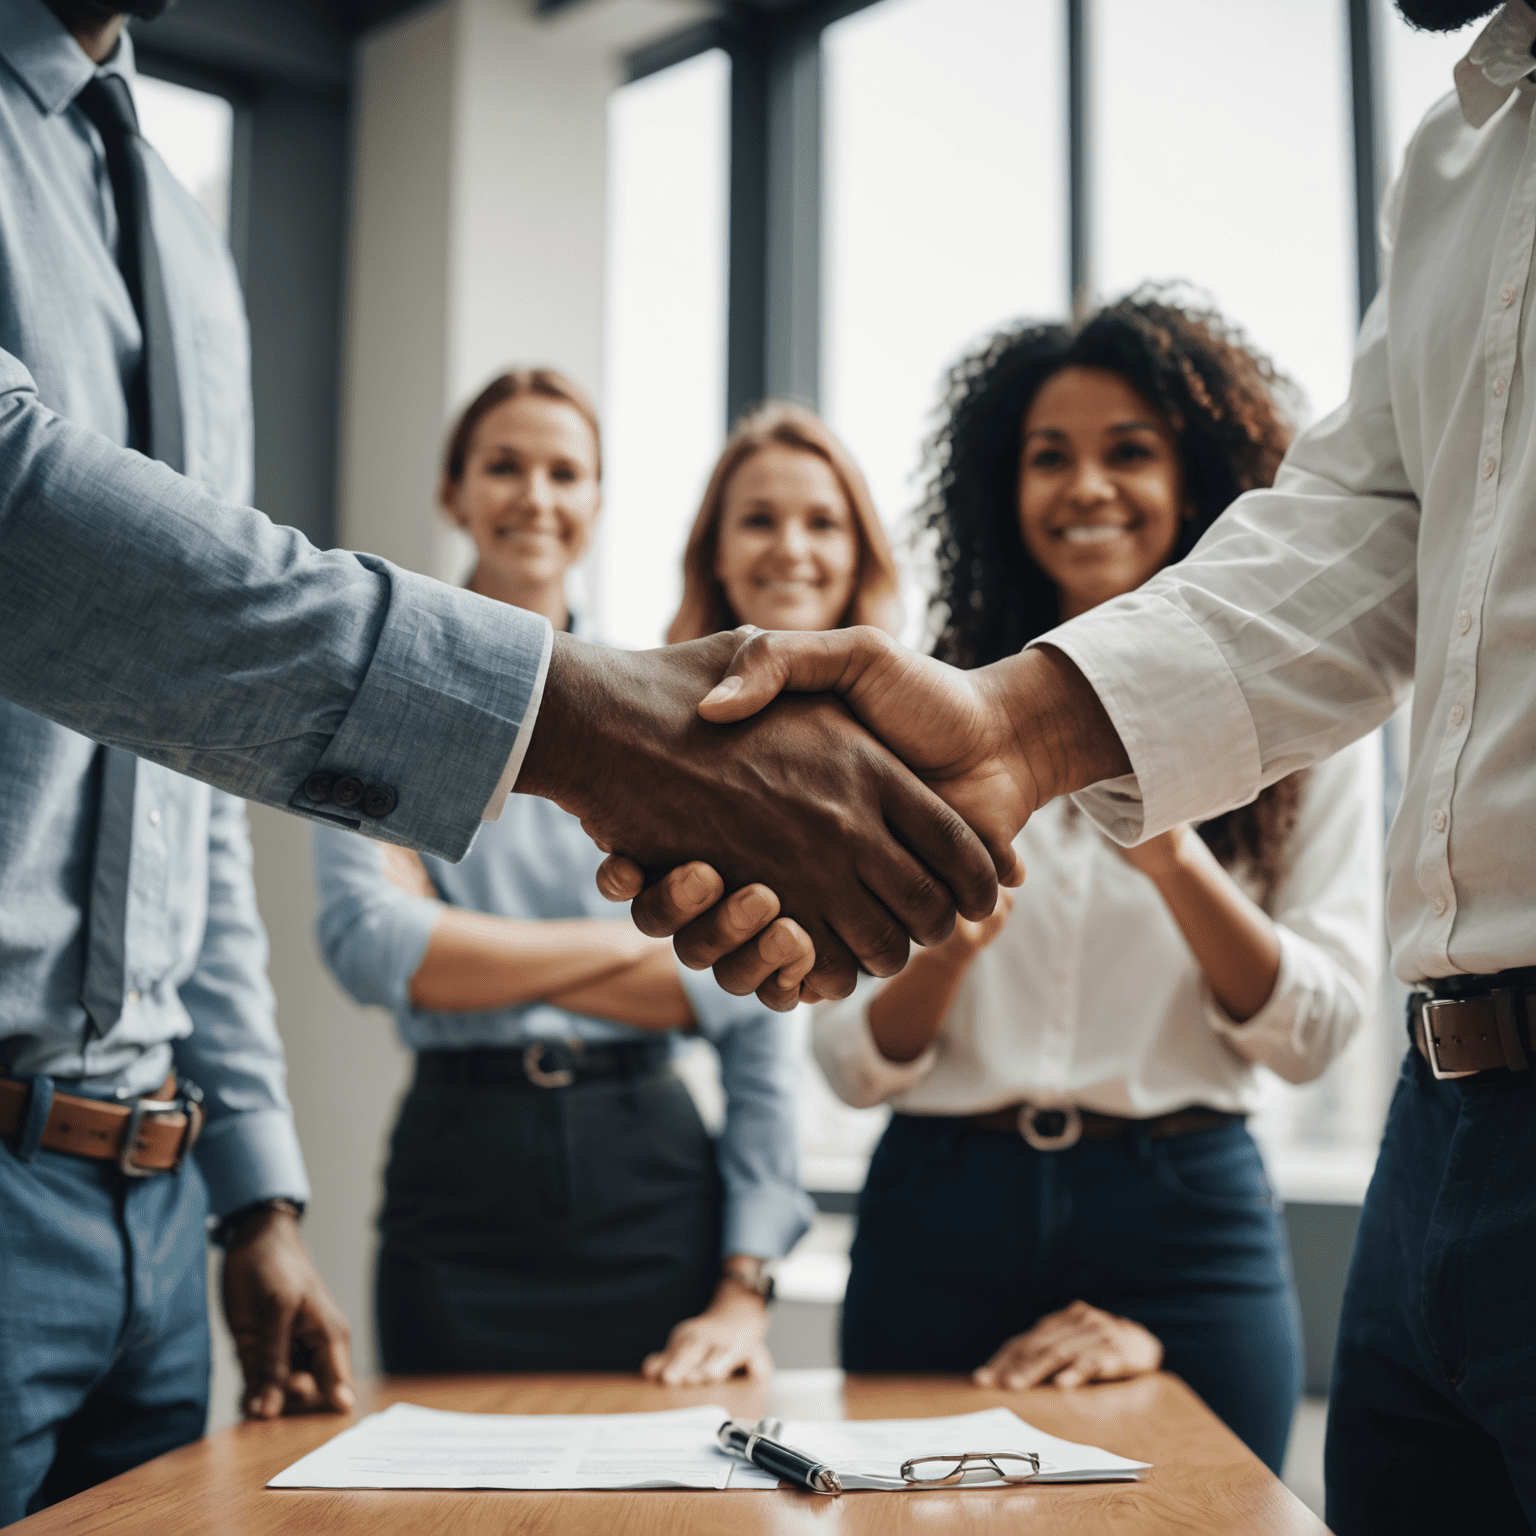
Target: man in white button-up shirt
x: 1397, y: 547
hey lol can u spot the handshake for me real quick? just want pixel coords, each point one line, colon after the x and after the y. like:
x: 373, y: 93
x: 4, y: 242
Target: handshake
x: 787, y: 842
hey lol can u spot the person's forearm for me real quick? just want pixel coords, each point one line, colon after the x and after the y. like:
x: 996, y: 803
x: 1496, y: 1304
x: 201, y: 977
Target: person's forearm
x: 645, y: 994
x: 1234, y: 943
x: 476, y: 961
x: 910, y: 1009
x: 1060, y: 728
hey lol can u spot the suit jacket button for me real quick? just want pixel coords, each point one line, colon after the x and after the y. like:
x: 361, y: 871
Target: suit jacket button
x: 318, y: 786
x: 378, y: 800
x: 348, y: 791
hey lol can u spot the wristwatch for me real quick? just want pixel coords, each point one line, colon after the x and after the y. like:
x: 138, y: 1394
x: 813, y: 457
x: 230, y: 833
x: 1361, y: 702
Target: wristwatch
x: 224, y: 1229
x: 751, y: 1273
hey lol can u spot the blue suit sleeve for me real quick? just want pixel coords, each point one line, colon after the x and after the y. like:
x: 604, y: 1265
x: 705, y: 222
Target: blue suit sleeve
x: 372, y: 934
x: 144, y: 612
x: 249, y: 1150
x: 766, y: 1210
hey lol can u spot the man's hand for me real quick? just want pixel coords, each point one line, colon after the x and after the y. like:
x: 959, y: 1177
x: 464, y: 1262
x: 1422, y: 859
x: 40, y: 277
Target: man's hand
x: 799, y: 799
x: 1076, y: 1345
x: 723, y: 1341
x: 293, y: 1340
x: 994, y: 743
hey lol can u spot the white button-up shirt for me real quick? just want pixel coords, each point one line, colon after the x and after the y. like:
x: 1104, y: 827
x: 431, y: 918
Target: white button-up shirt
x: 1090, y: 995
x: 1396, y: 548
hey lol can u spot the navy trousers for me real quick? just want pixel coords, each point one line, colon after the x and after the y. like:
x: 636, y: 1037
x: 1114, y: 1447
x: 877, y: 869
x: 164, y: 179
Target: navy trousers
x: 103, y: 1321
x: 969, y: 1236
x: 1432, y: 1419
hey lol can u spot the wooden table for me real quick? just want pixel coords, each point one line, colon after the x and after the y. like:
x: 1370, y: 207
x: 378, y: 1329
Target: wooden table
x: 1203, y: 1478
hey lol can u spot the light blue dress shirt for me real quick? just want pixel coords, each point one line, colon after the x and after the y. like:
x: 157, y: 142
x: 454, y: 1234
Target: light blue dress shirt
x: 195, y: 948
x: 537, y: 863
x: 153, y: 611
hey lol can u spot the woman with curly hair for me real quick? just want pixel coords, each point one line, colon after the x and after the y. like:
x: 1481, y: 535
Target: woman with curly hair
x: 1067, y: 1190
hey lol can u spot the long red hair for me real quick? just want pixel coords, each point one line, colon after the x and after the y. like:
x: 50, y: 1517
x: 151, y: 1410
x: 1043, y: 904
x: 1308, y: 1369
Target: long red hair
x: 704, y: 609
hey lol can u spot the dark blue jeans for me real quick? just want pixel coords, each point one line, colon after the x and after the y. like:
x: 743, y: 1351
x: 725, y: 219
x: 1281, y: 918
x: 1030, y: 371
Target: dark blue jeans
x: 103, y: 1321
x: 968, y: 1236
x: 1432, y: 1421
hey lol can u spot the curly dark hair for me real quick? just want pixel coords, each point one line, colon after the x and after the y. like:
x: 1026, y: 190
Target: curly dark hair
x: 1222, y: 399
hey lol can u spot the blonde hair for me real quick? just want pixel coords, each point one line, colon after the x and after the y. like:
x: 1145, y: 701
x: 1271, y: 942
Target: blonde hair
x: 704, y: 609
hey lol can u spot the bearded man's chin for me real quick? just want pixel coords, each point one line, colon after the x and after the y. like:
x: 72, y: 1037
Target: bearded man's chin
x: 1444, y: 15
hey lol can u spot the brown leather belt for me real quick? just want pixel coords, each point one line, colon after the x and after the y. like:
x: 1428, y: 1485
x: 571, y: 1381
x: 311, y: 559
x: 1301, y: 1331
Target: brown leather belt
x: 150, y: 1135
x: 1054, y: 1130
x: 1462, y: 1036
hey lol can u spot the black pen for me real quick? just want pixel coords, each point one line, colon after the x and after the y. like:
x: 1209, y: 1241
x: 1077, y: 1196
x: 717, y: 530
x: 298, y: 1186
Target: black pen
x: 782, y: 1461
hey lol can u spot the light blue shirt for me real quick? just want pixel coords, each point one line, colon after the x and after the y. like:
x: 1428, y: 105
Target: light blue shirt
x: 537, y: 863
x: 154, y: 612
x: 195, y: 949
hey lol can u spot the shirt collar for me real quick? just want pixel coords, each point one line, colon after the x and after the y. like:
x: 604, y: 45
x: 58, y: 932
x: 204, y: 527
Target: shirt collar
x: 47, y: 60
x: 1497, y: 62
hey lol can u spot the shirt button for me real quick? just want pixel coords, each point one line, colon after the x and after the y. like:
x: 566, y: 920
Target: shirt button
x: 1439, y: 906
x: 1498, y: 386
x: 133, y: 995
x: 1437, y: 821
x: 1458, y: 714
x: 378, y: 800
x: 154, y: 818
x: 1463, y: 621
x: 1489, y: 465
x: 1507, y: 293
x: 348, y: 791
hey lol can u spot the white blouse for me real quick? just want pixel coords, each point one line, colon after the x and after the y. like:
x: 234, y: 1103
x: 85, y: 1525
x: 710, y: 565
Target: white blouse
x: 1090, y: 996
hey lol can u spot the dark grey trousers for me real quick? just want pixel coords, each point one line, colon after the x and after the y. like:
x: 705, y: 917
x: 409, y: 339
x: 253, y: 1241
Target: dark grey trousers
x: 544, y: 1230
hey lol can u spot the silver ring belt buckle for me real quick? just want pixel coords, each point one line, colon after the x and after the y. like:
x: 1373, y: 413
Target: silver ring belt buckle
x: 560, y: 1077
x: 1428, y: 1028
x: 190, y: 1107
x: 1050, y: 1130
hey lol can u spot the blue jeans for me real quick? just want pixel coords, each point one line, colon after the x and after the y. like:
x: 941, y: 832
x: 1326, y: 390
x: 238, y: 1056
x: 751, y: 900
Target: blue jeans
x: 1432, y: 1420
x: 103, y: 1321
x: 968, y: 1236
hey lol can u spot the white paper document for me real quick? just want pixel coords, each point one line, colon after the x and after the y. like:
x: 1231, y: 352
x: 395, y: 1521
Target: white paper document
x: 410, y: 1447
x: 868, y: 1453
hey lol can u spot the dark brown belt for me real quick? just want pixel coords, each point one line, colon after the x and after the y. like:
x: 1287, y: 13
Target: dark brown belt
x: 1461, y: 1036
x: 150, y: 1135
x: 1054, y: 1130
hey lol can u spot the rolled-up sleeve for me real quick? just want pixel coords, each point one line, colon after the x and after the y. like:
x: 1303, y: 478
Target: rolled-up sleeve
x: 1326, y: 909
x: 766, y: 1210
x: 249, y: 1150
x: 142, y: 611
x: 846, y: 1052
x: 372, y: 934
x: 1285, y: 635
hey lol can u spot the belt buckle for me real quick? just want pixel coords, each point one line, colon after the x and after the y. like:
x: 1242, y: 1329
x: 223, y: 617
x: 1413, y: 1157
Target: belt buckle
x: 144, y: 1106
x: 1047, y: 1141
x: 533, y: 1064
x: 1431, y: 1042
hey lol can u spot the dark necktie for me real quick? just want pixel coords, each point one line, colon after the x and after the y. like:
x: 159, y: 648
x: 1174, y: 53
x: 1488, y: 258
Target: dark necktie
x: 154, y: 409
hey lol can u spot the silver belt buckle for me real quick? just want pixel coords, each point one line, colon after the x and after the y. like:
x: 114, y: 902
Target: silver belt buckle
x: 1431, y: 1041
x: 157, y: 1107
x: 533, y: 1066
x: 1045, y: 1141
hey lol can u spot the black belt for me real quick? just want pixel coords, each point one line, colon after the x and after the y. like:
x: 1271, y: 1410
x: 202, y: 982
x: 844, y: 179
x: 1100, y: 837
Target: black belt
x: 544, y: 1064
x: 1469, y: 1024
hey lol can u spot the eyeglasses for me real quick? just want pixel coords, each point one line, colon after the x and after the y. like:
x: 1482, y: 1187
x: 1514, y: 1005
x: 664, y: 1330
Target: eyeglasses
x: 943, y: 1471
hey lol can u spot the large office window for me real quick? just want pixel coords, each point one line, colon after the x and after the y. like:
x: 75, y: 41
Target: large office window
x: 1221, y: 154
x: 944, y: 211
x: 193, y: 132
x: 664, y: 383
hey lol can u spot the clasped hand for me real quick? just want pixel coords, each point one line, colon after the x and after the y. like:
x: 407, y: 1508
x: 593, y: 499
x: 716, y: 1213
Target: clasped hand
x: 834, y: 846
